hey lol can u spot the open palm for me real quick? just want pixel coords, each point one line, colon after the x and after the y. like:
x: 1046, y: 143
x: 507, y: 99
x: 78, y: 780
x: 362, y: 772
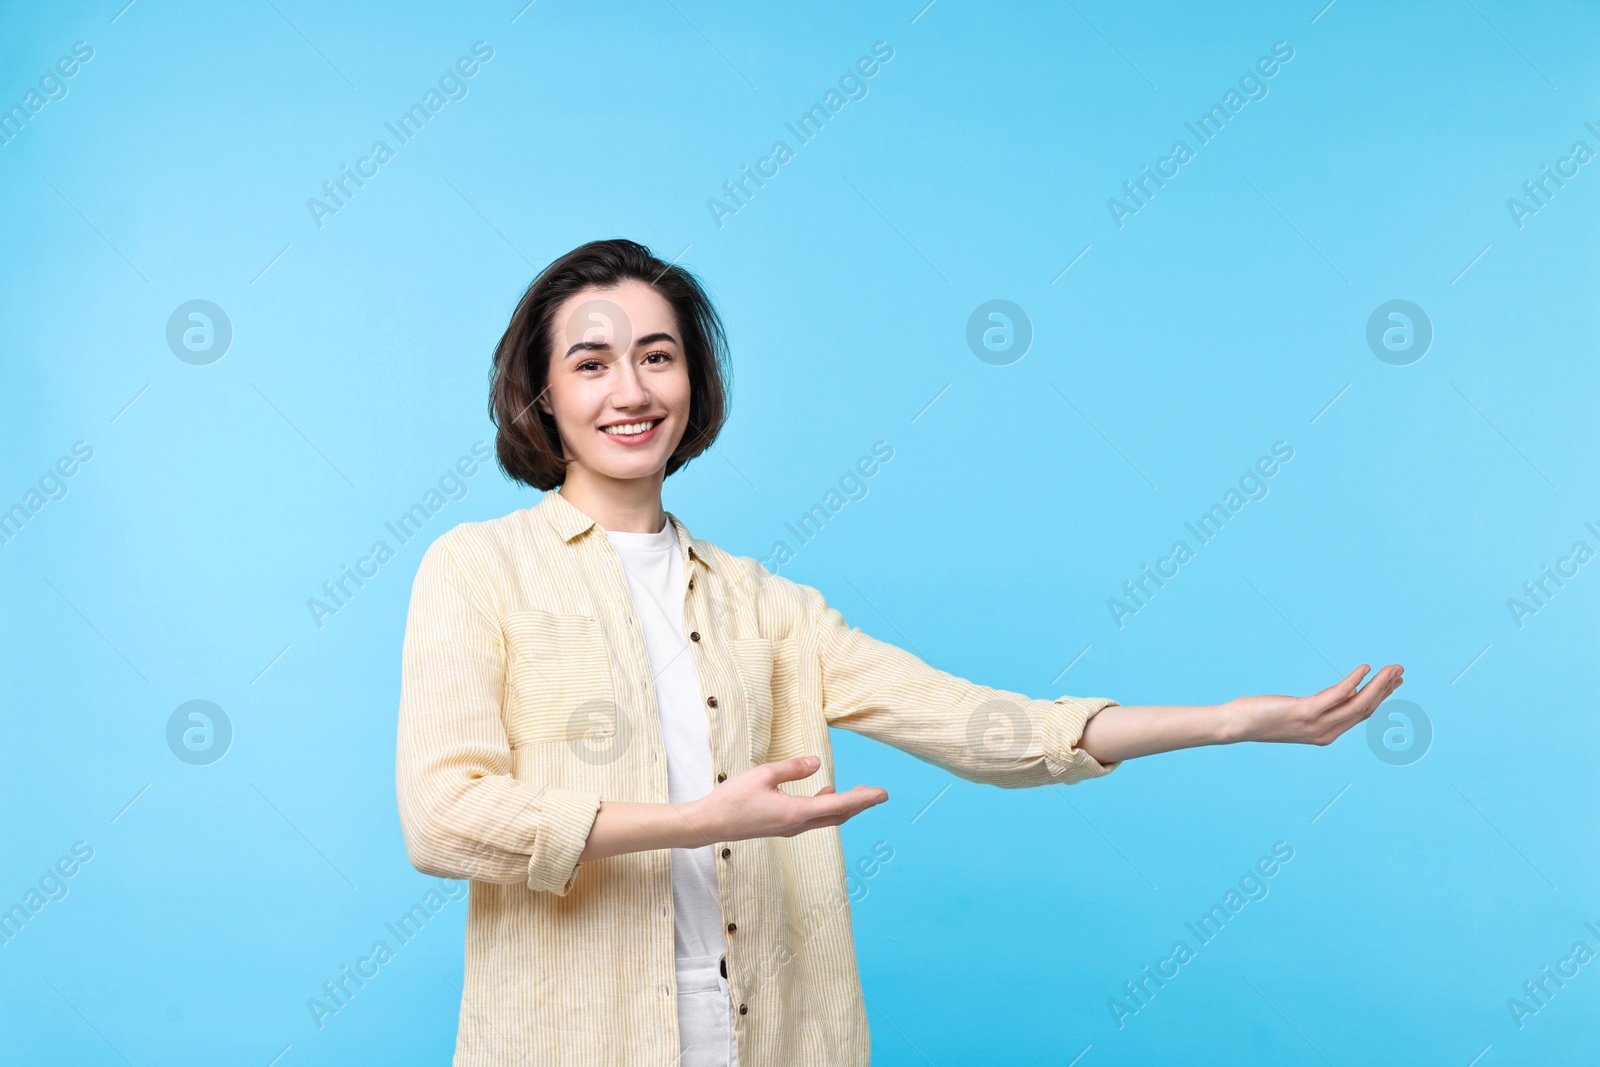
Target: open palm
x: 1316, y: 719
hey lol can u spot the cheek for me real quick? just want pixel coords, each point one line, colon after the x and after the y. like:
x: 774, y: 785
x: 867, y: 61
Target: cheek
x: 575, y: 400
x: 568, y: 409
x: 677, y: 387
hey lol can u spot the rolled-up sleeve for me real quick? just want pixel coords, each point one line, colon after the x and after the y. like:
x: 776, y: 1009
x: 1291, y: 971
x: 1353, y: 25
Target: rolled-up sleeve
x: 462, y: 812
x: 977, y: 732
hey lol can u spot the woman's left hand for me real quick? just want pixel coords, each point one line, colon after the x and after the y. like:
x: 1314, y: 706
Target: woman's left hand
x: 1312, y: 720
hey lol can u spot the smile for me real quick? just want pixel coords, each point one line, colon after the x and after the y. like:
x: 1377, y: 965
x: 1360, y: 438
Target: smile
x: 632, y: 433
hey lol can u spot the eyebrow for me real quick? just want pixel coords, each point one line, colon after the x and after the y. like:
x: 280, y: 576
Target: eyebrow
x: 602, y: 346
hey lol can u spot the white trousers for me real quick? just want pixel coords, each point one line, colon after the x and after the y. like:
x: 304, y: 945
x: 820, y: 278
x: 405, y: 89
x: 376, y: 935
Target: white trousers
x: 705, y: 1014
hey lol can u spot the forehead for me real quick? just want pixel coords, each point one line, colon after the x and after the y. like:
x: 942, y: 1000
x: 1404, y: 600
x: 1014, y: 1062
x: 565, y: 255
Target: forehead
x: 616, y: 314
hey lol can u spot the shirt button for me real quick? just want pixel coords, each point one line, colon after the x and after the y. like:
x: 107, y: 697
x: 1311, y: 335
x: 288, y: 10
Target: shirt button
x: 666, y: 990
x: 726, y: 852
x: 744, y: 1009
x: 733, y: 927
x: 711, y: 702
x: 691, y: 583
x: 694, y: 635
x: 722, y: 777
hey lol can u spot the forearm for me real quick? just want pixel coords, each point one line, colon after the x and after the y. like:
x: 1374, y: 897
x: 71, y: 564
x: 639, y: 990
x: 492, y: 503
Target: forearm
x: 622, y: 826
x: 1126, y: 732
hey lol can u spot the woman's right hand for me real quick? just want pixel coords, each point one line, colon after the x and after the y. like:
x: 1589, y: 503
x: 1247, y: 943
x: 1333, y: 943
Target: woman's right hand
x: 750, y: 804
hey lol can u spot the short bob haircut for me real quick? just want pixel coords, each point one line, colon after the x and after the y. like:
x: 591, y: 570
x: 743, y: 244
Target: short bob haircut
x: 527, y: 442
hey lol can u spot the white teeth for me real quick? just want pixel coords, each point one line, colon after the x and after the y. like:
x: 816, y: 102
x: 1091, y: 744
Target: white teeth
x: 630, y: 427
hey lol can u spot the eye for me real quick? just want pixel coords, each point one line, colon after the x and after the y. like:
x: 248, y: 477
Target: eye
x: 589, y: 363
x: 663, y: 355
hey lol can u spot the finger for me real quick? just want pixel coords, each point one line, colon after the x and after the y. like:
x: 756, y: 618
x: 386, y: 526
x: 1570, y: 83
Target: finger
x: 1344, y: 689
x: 1395, y: 682
x: 791, y: 770
x: 1361, y: 710
x: 839, y: 817
x: 1369, y: 696
x: 843, y: 804
x: 855, y: 795
x: 1381, y: 685
x: 1335, y: 694
x: 1361, y: 699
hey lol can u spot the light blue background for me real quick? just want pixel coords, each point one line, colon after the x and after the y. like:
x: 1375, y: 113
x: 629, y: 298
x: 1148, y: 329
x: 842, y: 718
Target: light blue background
x: 1226, y: 315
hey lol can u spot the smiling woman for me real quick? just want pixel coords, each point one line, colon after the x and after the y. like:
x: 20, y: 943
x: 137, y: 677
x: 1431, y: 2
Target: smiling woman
x: 619, y: 732
x: 595, y: 340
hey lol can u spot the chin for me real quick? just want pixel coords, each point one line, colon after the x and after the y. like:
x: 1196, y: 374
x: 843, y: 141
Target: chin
x: 643, y: 467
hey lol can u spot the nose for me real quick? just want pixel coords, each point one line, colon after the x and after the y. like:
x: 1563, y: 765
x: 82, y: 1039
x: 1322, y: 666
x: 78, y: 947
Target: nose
x: 629, y: 391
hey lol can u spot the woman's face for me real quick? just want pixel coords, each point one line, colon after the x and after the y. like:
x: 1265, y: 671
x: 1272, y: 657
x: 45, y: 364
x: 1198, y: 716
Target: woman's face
x: 618, y: 362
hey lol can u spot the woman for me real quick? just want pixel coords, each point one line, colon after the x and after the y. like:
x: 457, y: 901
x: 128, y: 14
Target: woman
x: 619, y: 732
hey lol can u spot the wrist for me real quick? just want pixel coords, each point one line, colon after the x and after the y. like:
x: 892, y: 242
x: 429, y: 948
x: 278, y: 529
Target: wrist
x: 1225, y: 722
x: 698, y: 822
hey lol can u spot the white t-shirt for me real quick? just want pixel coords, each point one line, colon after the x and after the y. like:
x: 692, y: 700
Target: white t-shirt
x: 655, y: 568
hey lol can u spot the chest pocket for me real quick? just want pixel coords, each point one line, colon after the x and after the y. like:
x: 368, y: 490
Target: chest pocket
x: 752, y: 658
x: 558, y: 679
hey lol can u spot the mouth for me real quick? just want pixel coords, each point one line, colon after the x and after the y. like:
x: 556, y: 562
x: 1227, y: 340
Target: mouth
x: 633, y: 433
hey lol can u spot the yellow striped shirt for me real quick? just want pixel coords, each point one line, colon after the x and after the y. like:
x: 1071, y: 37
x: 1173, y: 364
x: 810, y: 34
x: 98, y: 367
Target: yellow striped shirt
x: 526, y: 698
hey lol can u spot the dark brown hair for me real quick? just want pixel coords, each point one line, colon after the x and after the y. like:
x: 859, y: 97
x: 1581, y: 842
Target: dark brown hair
x: 527, y: 442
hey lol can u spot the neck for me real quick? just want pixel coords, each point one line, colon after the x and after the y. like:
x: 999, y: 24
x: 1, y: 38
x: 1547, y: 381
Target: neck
x: 626, y: 505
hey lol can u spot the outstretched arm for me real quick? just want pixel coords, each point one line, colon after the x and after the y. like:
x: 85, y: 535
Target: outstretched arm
x: 1124, y: 732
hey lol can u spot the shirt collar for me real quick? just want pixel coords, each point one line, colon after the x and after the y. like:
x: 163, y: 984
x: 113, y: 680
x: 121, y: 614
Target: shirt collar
x: 569, y: 521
